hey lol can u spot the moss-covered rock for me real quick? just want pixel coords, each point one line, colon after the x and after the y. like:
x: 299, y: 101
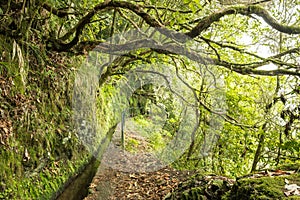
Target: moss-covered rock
x: 262, y: 188
x: 201, y: 187
x: 218, y: 187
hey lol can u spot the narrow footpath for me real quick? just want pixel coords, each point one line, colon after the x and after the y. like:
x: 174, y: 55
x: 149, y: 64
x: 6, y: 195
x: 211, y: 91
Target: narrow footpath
x: 133, y: 175
x: 116, y: 185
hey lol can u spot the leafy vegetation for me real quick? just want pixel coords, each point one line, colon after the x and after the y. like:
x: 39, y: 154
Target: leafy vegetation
x: 211, y: 85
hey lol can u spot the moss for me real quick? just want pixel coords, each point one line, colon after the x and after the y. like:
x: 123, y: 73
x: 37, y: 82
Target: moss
x: 216, y: 187
x: 261, y: 188
x: 201, y: 187
x: 41, y: 151
x: 196, y: 194
x: 43, y: 184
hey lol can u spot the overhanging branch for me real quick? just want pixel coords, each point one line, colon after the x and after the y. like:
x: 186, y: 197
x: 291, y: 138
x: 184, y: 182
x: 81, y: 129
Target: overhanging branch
x: 177, y: 49
x: 203, y: 24
x: 246, y: 10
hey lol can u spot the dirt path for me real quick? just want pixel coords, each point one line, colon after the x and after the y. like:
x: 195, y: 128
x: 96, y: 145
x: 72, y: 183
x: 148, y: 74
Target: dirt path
x: 113, y: 184
x: 127, y: 175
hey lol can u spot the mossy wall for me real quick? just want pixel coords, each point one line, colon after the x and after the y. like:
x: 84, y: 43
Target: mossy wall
x: 40, y: 147
x: 39, y: 151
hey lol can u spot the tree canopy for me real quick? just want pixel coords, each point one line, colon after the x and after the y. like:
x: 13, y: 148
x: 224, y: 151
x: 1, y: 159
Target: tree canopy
x: 207, y: 22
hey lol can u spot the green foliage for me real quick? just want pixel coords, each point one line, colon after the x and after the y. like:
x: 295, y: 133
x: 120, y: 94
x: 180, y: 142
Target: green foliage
x: 292, y: 145
x: 289, y: 165
x: 131, y: 145
x: 157, y: 141
x: 156, y: 136
x: 39, y: 148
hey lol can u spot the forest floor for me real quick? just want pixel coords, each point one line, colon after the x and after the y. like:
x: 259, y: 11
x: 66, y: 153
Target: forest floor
x: 133, y: 175
x: 117, y: 185
x: 125, y: 175
x: 113, y: 184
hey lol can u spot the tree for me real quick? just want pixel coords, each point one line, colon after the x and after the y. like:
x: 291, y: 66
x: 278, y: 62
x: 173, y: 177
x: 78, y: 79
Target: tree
x: 237, y: 38
x: 72, y: 24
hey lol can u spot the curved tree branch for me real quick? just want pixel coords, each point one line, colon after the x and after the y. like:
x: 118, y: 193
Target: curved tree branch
x: 246, y: 10
x: 177, y: 49
x: 203, y: 24
x: 264, y: 61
